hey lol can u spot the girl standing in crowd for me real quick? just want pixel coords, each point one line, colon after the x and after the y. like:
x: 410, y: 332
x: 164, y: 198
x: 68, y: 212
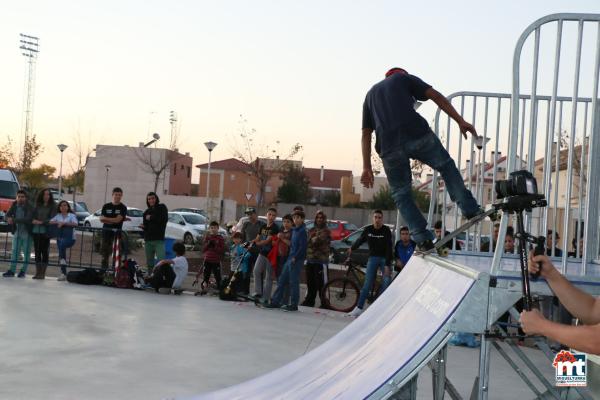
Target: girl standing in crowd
x: 45, y: 209
x: 66, y: 221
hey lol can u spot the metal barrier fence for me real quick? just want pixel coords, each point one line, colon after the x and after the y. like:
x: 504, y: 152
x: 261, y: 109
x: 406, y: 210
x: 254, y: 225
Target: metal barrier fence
x: 85, y: 253
x: 552, y: 136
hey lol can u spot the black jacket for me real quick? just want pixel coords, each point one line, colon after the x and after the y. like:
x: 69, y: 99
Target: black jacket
x: 154, y: 227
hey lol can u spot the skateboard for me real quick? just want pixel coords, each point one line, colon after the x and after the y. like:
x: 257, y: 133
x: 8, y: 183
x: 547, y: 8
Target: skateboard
x: 439, y: 245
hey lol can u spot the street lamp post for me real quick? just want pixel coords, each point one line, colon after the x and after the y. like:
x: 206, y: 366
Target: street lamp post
x: 210, y: 146
x: 62, y: 148
x: 155, y: 137
x: 106, y: 182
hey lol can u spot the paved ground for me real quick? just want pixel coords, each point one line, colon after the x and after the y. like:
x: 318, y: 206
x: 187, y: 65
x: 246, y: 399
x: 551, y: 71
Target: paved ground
x: 66, y: 341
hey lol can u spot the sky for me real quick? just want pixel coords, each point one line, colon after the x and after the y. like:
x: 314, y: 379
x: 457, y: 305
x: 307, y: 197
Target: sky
x: 109, y: 72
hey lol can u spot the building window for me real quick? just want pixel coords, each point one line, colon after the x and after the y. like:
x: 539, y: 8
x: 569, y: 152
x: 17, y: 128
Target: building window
x: 232, y: 177
x: 174, y: 169
x: 182, y: 166
x: 189, y: 172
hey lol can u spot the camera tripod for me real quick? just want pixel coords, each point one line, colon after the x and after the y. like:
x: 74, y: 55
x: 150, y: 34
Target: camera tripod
x: 517, y: 205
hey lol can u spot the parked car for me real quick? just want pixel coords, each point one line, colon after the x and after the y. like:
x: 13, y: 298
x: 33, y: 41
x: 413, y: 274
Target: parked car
x: 339, y: 229
x: 192, y: 210
x: 79, y: 211
x: 8, y: 194
x: 131, y: 224
x: 188, y: 227
x: 338, y: 251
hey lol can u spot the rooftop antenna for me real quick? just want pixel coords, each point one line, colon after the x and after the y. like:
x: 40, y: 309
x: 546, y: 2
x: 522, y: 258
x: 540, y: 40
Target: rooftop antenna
x: 29, y: 46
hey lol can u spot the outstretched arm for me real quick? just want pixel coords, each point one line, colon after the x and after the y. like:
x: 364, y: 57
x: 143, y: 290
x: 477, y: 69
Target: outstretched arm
x: 582, y: 305
x: 447, y: 107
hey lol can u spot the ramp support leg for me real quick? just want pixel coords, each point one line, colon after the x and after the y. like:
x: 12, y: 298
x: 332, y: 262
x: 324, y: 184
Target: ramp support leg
x: 438, y: 375
x: 481, y: 385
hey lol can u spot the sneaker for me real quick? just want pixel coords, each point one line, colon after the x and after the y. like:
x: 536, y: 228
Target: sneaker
x: 8, y: 274
x: 164, y: 290
x: 289, y: 307
x: 62, y: 261
x: 177, y: 291
x: 425, y: 245
x: 271, y: 306
x: 355, y: 313
x: 62, y: 278
x: 307, y: 304
x: 21, y: 274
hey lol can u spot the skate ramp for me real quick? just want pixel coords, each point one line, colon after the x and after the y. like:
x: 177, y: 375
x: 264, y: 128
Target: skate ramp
x: 383, y: 348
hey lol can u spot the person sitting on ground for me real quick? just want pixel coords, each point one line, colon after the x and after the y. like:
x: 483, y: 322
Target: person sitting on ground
x: 379, y: 238
x: 290, y: 276
x: 239, y: 256
x: 437, y: 230
x: 170, y: 273
x: 404, y: 249
x: 213, y: 248
x: 65, y: 220
x: 584, y: 338
x: 317, y: 257
x: 19, y: 216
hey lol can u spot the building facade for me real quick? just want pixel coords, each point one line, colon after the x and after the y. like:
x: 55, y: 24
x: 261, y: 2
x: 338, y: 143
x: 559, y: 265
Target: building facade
x: 137, y: 170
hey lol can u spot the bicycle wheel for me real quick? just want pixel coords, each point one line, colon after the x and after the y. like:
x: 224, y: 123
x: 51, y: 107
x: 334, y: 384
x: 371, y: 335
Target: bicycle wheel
x: 341, y: 294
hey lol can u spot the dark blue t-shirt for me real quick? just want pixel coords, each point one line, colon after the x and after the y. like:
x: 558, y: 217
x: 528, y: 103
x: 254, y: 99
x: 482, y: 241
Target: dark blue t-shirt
x: 389, y: 110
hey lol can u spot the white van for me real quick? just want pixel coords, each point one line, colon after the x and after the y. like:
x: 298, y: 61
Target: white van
x: 9, y: 185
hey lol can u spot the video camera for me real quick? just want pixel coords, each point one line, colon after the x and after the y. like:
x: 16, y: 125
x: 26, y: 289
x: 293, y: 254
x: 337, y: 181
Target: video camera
x: 519, y: 193
x: 519, y: 183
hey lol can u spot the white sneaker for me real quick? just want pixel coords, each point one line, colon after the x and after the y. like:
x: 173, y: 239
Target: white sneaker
x: 62, y: 261
x: 355, y: 313
x: 62, y: 277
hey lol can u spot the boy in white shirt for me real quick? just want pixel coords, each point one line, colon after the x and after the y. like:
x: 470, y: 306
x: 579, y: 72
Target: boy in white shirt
x: 171, y: 273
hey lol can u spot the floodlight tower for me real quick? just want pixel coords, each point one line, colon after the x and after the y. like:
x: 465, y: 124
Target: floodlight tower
x: 30, y: 49
x: 173, y: 122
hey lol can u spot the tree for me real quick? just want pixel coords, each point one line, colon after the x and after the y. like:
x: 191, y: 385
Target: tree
x: 331, y: 199
x: 37, y: 178
x: 295, y: 188
x: 154, y: 162
x: 251, y: 152
x: 78, y: 163
x: 31, y: 151
x: 422, y: 200
x: 383, y: 200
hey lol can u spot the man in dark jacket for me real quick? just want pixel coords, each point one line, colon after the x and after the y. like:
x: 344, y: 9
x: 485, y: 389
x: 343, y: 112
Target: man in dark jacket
x: 154, y: 224
x: 379, y: 238
x: 20, y: 215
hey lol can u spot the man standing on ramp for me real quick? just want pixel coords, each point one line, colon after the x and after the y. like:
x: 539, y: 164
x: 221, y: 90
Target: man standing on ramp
x: 402, y: 134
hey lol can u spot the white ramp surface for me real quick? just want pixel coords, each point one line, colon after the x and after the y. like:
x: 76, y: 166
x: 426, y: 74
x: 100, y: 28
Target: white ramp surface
x: 399, y: 332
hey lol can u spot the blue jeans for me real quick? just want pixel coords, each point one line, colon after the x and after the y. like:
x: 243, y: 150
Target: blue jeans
x: 289, y: 278
x: 429, y: 150
x: 373, y: 263
x: 20, y: 243
x: 64, y: 244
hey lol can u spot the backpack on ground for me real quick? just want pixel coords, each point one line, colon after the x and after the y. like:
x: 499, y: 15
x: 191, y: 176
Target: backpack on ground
x: 125, y: 274
x: 85, y: 277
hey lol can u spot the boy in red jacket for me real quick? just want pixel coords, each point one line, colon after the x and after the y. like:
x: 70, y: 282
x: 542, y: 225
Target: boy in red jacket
x: 213, y: 249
